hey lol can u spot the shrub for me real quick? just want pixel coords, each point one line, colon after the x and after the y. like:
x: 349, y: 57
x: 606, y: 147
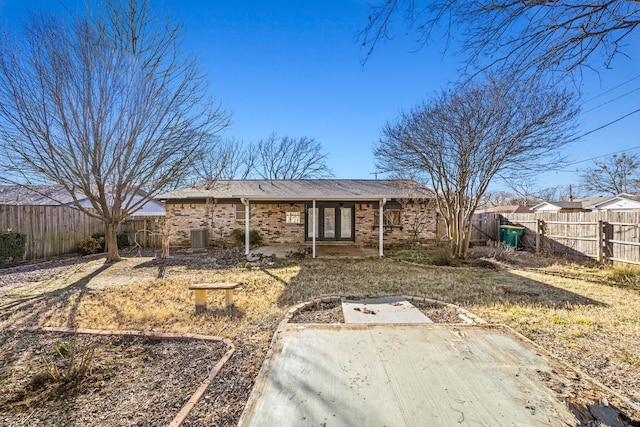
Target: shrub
x: 71, y: 362
x: 91, y: 245
x: 122, y: 239
x: 625, y: 276
x: 254, y: 237
x: 99, y: 236
x: 442, y: 256
x: 12, y: 248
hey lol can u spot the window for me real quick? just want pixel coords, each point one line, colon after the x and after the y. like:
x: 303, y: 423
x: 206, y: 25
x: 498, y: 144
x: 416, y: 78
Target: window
x: 240, y: 212
x: 292, y: 217
x: 392, y: 218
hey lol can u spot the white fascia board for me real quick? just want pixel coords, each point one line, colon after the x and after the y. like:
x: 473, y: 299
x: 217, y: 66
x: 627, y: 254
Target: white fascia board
x: 312, y: 197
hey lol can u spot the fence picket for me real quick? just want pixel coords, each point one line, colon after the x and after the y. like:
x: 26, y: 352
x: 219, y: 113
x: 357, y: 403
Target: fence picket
x: 56, y: 230
x: 600, y: 235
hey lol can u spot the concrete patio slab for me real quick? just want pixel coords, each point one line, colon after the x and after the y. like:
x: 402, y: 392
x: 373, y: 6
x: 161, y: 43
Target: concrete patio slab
x: 323, y: 250
x: 386, y: 310
x: 403, y: 375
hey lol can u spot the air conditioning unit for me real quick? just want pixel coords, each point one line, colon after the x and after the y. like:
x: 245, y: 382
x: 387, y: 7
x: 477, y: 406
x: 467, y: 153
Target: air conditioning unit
x: 199, y: 238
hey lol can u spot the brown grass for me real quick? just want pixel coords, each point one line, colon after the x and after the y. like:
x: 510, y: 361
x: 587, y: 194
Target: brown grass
x: 585, y: 315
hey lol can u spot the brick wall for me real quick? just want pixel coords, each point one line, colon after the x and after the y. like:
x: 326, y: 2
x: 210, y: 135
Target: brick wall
x: 220, y: 220
x: 418, y: 221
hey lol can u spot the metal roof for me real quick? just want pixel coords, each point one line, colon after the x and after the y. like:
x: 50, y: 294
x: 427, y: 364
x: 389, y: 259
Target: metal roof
x: 318, y: 189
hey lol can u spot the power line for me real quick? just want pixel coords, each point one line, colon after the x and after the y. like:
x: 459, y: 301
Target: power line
x: 605, y: 125
x: 611, y: 100
x: 612, y: 89
x: 603, y: 155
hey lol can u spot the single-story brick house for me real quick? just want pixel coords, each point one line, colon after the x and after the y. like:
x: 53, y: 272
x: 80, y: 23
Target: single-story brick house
x: 305, y: 211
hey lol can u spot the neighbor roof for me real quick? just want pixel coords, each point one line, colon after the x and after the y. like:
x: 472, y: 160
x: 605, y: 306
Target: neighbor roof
x: 587, y: 203
x: 505, y: 209
x: 42, y: 195
x: 56, y: 195
x: 320, y: 189
x: 620, y: 198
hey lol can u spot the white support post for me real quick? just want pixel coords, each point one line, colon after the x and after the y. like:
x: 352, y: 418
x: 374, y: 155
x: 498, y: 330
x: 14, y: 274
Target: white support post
x: 313, y: 234
x: 247, y: 248
x: 381, y: 225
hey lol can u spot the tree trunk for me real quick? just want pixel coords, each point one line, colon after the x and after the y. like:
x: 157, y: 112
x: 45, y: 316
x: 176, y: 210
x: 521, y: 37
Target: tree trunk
x: 112, y: 243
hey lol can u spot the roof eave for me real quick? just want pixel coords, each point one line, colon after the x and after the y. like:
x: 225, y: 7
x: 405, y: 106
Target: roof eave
x: 324, y: 197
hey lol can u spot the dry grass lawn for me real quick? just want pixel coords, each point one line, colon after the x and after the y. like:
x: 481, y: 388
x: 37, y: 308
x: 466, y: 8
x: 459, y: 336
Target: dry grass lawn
x: 590, y: 317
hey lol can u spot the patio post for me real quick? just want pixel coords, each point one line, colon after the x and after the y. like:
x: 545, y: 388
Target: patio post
x: 245, y: 202
x: 383, y: 202
x: 313, y: 233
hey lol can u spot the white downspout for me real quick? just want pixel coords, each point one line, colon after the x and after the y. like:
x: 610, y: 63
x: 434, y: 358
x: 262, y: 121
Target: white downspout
x: 313, y: 234
x: 381, y: 225
x: 245, y: 202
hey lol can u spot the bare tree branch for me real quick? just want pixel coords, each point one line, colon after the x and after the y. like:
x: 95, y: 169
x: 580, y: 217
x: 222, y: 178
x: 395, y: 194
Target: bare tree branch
x: 288, y: 158
x: 462, y: 139
x: 560, y: 36
x: 104, y: 108
x: 615, y: 175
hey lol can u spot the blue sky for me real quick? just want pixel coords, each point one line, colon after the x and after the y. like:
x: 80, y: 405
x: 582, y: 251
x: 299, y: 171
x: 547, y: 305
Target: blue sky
x: 294, y: 67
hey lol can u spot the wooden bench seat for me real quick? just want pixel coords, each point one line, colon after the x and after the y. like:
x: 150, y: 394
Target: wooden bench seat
x: 201, y: 289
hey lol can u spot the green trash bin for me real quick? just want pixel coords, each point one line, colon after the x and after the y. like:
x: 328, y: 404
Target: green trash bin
x: 510, y: 235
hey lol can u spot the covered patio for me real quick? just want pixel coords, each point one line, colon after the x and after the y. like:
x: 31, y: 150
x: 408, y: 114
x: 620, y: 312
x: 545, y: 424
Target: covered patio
x: 325, y: 250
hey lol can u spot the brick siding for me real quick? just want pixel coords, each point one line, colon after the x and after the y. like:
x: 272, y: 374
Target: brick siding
x: 418, y: 221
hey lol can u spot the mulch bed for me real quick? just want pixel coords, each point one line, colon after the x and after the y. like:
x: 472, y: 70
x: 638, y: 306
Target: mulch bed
x: 128, y: 380
x: 331, y: 312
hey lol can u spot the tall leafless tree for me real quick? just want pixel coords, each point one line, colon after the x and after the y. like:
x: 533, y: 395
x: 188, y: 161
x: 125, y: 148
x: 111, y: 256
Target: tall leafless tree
x: 535, y: 35
x: 288, y: 158
x: 223, y: 160
x: 104, y: 107
x: 460, y: 140
x: 613, y: 175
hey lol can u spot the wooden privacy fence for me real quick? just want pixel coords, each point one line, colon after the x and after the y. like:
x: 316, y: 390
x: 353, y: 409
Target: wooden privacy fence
x: 56, y: 230
x: 603, y: 236
x: 143, y: 230
x: 51, y: 230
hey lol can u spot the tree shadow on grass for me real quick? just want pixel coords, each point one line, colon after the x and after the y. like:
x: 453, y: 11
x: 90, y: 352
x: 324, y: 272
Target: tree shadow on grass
x: 67, y: 298
x: 461, y: 285
x: 218, y: 312
x: 54, y: 263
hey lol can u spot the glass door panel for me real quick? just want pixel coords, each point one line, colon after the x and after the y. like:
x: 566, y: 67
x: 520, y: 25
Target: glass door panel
x: 345, y: 223
x: 329, y: 223
x: 310, y: 214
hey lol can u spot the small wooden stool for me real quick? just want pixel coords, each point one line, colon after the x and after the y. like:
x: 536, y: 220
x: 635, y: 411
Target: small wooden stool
x: 201, y: 289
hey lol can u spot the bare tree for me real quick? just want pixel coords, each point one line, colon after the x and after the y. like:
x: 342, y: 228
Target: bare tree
x: 540, y: 35
x: 288, y: 158
x: 222, y: 160
x: 614, y: 175
x: 103, y: 108
x: 462, y: 139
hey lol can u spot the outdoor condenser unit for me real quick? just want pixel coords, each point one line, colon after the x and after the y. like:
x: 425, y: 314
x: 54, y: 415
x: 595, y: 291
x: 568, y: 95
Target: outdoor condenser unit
x: 199, y: 238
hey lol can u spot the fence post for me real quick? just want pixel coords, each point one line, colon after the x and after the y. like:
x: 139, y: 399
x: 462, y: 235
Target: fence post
x: 600, y: 241
x: 539, y: 231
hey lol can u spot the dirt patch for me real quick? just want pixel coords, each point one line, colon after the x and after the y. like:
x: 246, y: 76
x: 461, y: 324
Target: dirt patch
x: 320, y: 312
x: 439, y: 313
